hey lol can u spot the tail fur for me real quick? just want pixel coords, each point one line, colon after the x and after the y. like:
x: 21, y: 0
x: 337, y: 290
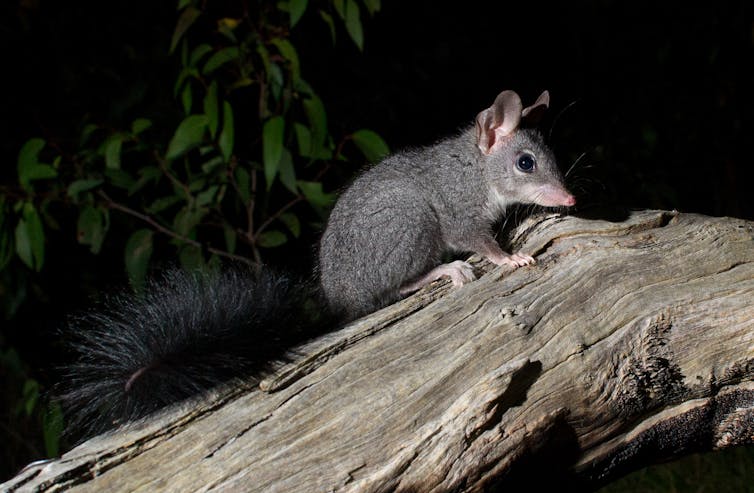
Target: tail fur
x: 186, y: 333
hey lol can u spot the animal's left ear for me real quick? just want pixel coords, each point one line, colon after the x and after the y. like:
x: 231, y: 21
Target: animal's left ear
x: 531, y: 115
x: 498, y: 121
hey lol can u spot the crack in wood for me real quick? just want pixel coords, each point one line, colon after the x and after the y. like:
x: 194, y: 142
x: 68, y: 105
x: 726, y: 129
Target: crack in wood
x: 238, y: 435
x: 688, y: 427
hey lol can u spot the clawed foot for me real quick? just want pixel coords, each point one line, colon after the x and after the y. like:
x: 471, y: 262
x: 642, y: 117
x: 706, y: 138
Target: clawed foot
x: 515, y: 260
x: 459, y: 272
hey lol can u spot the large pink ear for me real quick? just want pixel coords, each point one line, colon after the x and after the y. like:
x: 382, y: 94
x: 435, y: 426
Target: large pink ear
x: 533, y: 114
x: 497, y: 121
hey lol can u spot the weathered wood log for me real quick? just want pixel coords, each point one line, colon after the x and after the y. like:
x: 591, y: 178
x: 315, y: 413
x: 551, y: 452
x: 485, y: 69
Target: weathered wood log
x: 629, y: 342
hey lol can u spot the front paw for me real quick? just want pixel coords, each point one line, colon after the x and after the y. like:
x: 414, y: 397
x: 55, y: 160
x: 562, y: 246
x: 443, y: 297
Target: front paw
x: 515, y: 260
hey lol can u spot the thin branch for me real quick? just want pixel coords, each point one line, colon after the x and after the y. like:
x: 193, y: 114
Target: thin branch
x: 163, y: 166
x: 233, y: 256
x: 169, y: 232
x: 279, y: 213
x: 147, y: 219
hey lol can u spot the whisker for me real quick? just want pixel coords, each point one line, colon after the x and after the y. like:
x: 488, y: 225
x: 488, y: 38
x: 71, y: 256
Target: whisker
x: 582, y: 156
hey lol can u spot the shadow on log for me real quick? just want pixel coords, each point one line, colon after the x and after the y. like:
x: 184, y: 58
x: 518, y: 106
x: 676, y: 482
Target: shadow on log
x: 629, y: 342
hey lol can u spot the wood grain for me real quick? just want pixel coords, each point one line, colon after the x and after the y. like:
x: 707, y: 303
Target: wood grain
x: 630, y: 341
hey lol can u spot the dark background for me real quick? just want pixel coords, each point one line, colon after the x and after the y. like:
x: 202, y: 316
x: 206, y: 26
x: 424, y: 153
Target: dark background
x: 660, y: 90
x: 658, y: 93
x: 655, y: 95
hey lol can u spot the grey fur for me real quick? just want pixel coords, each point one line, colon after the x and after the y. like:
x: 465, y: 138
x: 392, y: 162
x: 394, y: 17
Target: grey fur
x: 394, y: 223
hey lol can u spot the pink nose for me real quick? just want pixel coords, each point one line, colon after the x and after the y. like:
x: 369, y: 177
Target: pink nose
x: 553, y: 196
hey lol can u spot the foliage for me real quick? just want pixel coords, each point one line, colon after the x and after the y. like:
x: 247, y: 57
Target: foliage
x: 233, y: 170
x: 196, y: 190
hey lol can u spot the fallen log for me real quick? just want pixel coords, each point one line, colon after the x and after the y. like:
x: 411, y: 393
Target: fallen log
x: 631, y: 341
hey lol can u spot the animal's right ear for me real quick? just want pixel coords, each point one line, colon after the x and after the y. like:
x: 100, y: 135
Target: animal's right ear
x: 531, y: 115
x: 498, y: 121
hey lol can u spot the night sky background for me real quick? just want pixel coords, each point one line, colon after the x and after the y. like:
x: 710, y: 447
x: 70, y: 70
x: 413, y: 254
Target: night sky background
x: 654, y: 99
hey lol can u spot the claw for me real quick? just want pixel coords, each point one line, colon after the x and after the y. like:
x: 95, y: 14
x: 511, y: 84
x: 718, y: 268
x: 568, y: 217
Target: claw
x: 515, y: 260
x: 459, y: 272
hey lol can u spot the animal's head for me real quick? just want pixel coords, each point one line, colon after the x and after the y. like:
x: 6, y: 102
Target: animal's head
x: 519, y: 167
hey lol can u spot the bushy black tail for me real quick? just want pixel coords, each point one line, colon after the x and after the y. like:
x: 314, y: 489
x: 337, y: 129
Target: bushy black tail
x: 186, y: 333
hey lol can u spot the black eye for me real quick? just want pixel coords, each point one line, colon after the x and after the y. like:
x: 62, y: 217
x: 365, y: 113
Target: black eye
x: 526, y: 163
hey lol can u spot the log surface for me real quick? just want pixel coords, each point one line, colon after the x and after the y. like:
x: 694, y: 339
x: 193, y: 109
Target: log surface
x: 630, y: 341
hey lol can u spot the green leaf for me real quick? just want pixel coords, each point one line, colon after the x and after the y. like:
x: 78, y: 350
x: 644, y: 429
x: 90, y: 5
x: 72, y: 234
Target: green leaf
x: 147, y: 174
x: 265, y: 56
x: 30, y: 239
x: 183, y: 3
x: 289, y: 53
x: 243, y: 81
x: 87, y: 132
x: 211, y: 109
x: 243, y: 179
x: 220, y: 58
x: 370, y: 144
x: 330, y: 24
x: 187, y: 219
x: 230, y: 239
x: 137, y: 254
x: 297, y: 9
x: 373, y: 6
x: 188, y: 135
x: 30, y: 393
x: 340, y: 8
x: 198, y: 53
x: 225, y: 26
x: 92, y: 227
x: 163, y: 203
x: 39, y: 172
x: 353, y: 23
x: 229, y: 23
x: 139, y: 125
x: 186, y: 19
x: 272, y: 147
x: 183, y: 78
x: 214, y: 163
x: 83, y: 185
x: 112, y: 147
x: 304, y: 139
x: 292, y: 223
x: 207, y: 196
x: 29, y: 153
x: 198, y: 184
x: 277, y: 80
x: 314, y: 194
x: 271, y: 239
x: 120, y: 178
x: 225, y: 141
x: 52, y: 429
x: 187, y: 98
x: 190, y: 257
x: 287, y: 172
x: 315, y: 113
x: 29, y: 167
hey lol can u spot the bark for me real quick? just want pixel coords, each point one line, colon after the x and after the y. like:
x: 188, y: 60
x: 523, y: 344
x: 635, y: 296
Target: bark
x: 631, y: 341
